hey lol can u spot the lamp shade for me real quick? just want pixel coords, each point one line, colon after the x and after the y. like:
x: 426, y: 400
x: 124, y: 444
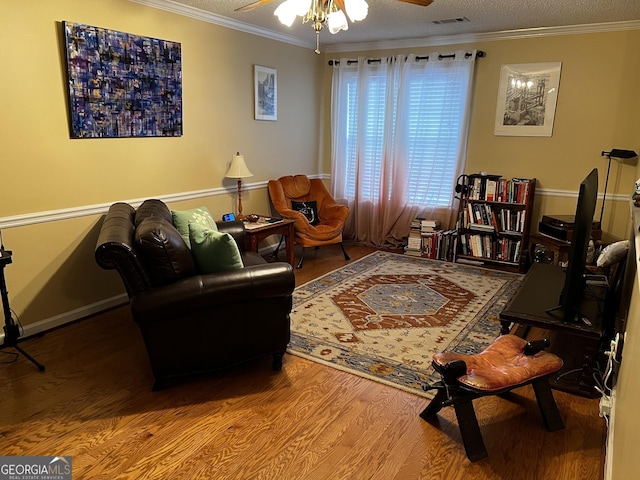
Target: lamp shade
x: 238, y: 168
x: 617, y: 153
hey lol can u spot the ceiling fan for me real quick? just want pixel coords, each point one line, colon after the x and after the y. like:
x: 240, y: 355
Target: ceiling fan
x: 322, y: 12
x: 259, y: 3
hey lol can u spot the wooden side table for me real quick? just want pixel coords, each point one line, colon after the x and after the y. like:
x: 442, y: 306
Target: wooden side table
x: 560, y: 248
x: 258, y: 231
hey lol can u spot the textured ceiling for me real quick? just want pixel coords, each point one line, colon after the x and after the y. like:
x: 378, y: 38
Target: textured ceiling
x: 394, y: 20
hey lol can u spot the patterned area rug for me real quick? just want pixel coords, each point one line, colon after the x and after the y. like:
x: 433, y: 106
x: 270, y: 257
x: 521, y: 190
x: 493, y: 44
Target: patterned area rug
x: 384, y: 316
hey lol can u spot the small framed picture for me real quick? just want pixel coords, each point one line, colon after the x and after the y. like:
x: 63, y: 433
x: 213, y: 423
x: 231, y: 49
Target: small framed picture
x: 527, y: 96
x: 265, y: 81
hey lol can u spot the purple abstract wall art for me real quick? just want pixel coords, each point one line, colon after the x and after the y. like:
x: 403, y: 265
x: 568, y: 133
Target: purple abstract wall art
x: 122, y: 85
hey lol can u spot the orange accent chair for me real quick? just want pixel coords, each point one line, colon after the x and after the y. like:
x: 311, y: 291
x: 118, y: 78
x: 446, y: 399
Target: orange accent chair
x: 315, y: 231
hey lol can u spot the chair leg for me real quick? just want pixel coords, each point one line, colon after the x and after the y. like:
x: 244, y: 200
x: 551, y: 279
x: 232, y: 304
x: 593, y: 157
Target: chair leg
x: 548, y: 408
x: 435, y: 405
x: 346, y: 257
x: 469, y: 429
x: 277, y: 250
x: 301, y: 258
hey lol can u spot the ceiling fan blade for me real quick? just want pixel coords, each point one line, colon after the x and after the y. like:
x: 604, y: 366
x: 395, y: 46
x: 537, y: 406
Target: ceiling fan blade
x: 422, y: 3
x: 253, y: 5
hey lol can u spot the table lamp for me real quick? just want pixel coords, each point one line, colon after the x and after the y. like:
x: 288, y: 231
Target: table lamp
x: 238, y: 169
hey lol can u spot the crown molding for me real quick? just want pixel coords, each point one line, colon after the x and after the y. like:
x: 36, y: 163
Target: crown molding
x: 486, y: 37
x: 428, y: 41
x: 209, y: 17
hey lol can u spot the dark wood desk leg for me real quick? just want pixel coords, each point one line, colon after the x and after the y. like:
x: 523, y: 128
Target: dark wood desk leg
x: 505, y: 327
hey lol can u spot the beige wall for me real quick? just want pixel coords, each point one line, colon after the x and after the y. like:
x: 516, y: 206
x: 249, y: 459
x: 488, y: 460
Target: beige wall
x: 598, y: 109
x: 53, y: 271
x: 44, y: 170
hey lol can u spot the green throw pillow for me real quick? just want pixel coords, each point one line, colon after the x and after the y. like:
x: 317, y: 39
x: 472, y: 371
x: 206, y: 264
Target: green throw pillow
x: 182, y: 219
x: 213, y: 251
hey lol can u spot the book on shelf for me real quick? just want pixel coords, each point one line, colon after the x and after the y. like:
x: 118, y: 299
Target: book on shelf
x: 511, y: 221
x: 480, y: 216
x: 482, y: 186
x: 464, y: 245
x: 492, y: 188
x: 485, y: 246
x: 440, y: 245
x: 481, y: 227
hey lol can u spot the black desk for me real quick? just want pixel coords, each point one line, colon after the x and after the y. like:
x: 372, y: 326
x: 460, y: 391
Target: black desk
x: 576, y: 343
x: 540, y: 291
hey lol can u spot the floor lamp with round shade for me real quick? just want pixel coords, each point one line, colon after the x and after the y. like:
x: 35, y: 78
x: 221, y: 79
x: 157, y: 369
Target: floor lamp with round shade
x: 238, y: 169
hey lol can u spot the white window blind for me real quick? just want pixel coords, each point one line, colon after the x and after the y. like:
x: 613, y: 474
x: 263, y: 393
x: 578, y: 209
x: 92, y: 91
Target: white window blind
x: 411, y: 113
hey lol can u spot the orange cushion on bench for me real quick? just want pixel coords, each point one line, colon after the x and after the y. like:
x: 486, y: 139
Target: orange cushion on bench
x: 502, y: 365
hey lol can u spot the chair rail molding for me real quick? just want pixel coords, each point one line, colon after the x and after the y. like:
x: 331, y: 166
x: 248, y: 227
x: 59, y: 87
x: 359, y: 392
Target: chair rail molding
x: 34, y: 218
x: 102, y: 208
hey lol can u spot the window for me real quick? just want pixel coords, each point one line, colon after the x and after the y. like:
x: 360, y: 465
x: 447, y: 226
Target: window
x: 404, y: 127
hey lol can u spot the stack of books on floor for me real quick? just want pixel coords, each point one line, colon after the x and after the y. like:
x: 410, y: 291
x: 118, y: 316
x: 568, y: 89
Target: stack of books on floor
x: 427, y: 240
x: 429, y: 230
x: 414, y: 242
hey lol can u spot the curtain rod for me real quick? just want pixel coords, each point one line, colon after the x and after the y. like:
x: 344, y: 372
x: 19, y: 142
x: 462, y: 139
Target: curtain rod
x: 479, y: 54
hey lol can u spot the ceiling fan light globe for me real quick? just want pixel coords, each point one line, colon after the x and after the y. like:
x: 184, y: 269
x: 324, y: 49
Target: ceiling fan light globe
x: 301, y: 7
x: 356, y: 9
x: 286, y: 12
x: 336, y: 21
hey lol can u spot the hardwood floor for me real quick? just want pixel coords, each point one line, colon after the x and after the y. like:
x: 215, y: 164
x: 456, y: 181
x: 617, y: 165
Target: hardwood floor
x: 94, y: 402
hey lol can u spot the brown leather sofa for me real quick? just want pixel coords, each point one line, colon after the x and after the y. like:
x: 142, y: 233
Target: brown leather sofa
x: 193, y: 323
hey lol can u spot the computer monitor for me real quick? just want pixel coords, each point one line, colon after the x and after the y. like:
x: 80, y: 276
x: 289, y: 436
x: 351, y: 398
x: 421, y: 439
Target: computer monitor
x: 574, y: 284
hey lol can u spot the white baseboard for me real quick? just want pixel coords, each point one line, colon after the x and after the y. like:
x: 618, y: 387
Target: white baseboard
x: 72, y: 316
x: 608, y: 457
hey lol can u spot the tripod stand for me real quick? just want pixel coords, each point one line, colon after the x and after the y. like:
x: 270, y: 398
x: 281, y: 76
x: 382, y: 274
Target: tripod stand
x: 11, y: 329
